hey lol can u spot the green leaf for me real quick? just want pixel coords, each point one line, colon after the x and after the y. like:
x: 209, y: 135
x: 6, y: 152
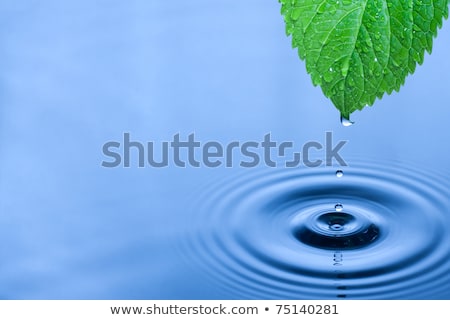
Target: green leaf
x: 358, y: 50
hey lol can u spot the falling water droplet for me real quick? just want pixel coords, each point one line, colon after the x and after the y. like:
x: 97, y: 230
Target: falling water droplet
x: 339, y: 173
x: 339, y: 207
x: 337, y: 256
x: 345, y: 120
x: 337, y: 259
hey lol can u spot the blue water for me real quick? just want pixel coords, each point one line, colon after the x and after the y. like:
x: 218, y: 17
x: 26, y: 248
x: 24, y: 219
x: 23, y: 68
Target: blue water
x: 281, y: 235
x: 76, y: 74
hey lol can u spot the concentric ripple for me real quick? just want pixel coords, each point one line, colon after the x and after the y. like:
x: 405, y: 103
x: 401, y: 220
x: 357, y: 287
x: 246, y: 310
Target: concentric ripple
x: 378, y: 231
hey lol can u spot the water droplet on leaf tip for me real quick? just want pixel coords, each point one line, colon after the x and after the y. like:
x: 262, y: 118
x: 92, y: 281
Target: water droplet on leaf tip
x: 345, y: 121
x: 339, y: 173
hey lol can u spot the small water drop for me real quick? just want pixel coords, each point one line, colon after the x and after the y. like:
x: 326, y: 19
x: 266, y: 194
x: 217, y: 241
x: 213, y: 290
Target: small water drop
x: 345, y: 120
x: 339, y: 173
x: 337, y: 257
x: 339, y: 207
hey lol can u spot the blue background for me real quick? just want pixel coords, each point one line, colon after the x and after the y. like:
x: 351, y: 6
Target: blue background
x: 75, y: 74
